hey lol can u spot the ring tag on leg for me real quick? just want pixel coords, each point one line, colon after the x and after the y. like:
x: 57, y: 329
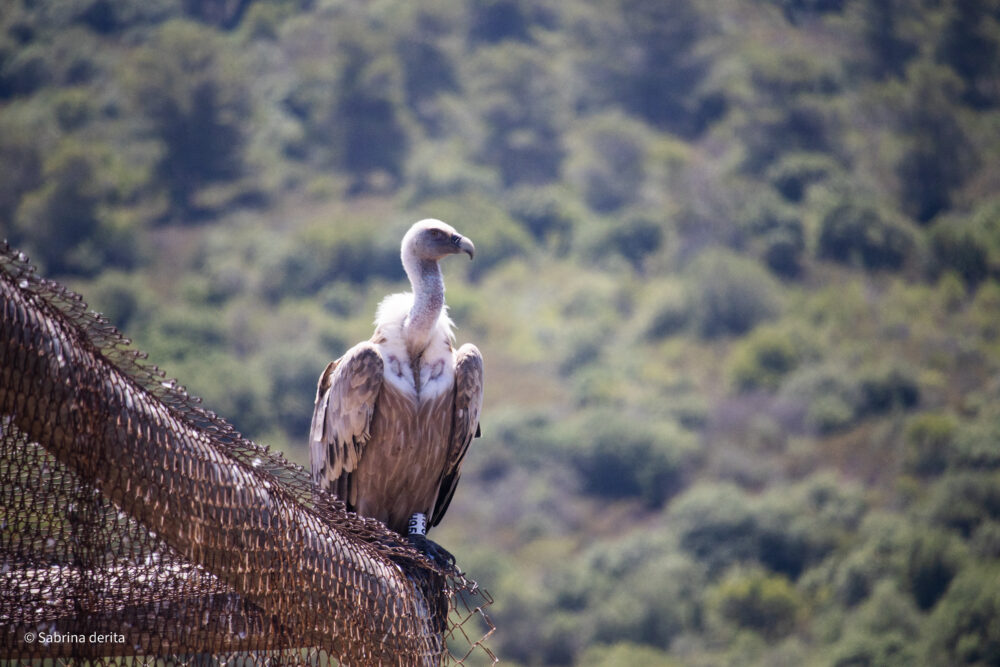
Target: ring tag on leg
x: 418, y: 524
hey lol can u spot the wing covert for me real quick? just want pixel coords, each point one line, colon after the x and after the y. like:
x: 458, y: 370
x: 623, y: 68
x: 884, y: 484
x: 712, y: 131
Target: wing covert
x: 465, y: 422
x: 345, y: 401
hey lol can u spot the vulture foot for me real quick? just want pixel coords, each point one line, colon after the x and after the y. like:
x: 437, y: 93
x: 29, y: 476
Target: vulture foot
x: 437, y: 553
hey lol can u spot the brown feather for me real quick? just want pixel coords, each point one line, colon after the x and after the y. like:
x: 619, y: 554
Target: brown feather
x: 468, y: 404
x: 345, y: 400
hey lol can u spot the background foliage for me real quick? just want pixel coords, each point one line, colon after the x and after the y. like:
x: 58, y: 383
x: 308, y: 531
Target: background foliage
x: 737, y: 283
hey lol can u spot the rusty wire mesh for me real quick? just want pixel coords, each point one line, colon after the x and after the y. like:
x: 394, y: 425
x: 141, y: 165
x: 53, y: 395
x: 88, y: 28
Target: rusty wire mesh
x: 137, y: 527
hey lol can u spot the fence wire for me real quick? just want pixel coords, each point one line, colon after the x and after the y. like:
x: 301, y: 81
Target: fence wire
x: 138, y: 528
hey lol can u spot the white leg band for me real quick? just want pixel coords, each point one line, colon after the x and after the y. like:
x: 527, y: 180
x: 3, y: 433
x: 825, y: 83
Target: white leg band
x: 418, y: 524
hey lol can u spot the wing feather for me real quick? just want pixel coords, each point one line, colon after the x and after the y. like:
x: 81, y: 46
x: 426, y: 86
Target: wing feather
x: 346, y: 397
x: 465, y: 423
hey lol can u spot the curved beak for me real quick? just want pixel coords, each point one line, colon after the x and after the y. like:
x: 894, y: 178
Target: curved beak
x: 464, y: 245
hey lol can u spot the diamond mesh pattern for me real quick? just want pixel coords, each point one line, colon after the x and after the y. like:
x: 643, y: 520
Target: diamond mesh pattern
x: 137, y: 527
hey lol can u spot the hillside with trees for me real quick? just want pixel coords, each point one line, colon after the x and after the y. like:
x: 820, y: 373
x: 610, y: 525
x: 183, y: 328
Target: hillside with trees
x: 737, y: 283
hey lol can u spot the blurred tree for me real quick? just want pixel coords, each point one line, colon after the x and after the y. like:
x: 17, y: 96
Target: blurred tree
x: 323, y: 254
x: 794, y: 173
x: 785, y: 105
x: 757, y: 601
x: 367, y: 122
x: 524, y: 141
x: 124, y: 299
x: 961, y: 246
x: 110, y: 16
x: 858, y: 234
x: 763, y: 359
x: 643, y: 56
x: 774, y: 232
x: 716, y: 525
x: 885, y: 630
x: 928, y: 439
x: 492, y: 21
x: 549, y: 213
x: 963, y: 500
x: 608, y: 161
x: 223, y: 13
x: 636, y: 589
x: 20, y: 170
x: 886, y: 388
x: 190, y: 87
x: 796, y: 10
x: 617, y: 458
x: 428, y: 69
x: 890, y: 29
x: 963, y: 628
x: 970, y: 44
x: 828, y: 395
x: 23, y: 69
x: 625, y: 654
x: 292, y: 374
x: 66, y: 223
x: 729, y: 294
x: 933, y: 559
x: 938, y: 156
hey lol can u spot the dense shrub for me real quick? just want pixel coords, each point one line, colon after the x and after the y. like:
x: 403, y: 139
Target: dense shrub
x: 775, y: 234
x: 799, y: 526
x: 624, y: 654
x: 970, y: 45
x: 828, y: 395
x: 882, y: 631
x: 962, y: 501
x: 763, y: 359
x: 523, y: 141
x: 882, y: 390
x: 757, y: 601
x: 794, y: 173
x: 858, y: 234
x: 126, y: 301
x: 669, y: 311
x: 932, y: 561
x: 324, y: 253
x: 608, y: 163
x: 20, y: 169
x: 939, y: 156
x: 660, y: 80
x: 976, y: 444
x: 192, y: 91
x: 716, y: 525
x: 547, y: 212
x: 622, y: 456
x: 637, y: 589
x: 292, y: 376
x: 786, y: 531
x: 928, y: 440
x: 963, y: 628
x: 633, y: 239
x: 729, y: 294
x: 66, y: 223
x: 962, y: 249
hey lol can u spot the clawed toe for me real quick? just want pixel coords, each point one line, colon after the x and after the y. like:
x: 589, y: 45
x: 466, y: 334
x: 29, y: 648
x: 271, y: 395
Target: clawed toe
x: 441, y: 556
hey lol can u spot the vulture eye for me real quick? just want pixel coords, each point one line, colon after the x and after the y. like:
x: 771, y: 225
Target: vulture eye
x: 437, y: 233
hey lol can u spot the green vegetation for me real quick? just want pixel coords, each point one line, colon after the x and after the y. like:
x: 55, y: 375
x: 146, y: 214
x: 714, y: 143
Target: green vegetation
x: 737, y: 283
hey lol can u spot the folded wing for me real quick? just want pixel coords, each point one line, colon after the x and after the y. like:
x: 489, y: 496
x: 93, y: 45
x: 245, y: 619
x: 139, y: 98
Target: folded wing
x: 345, y: 401
x: 465, y: 423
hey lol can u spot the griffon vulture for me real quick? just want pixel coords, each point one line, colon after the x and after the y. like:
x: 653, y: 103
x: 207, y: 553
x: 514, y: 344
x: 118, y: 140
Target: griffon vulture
x: 395, y: 415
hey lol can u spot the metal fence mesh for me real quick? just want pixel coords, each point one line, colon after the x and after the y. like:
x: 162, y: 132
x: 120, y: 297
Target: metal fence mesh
x: 137, y: 527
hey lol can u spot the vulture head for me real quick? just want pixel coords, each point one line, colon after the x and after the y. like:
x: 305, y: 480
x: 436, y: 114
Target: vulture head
x: 433, y: 240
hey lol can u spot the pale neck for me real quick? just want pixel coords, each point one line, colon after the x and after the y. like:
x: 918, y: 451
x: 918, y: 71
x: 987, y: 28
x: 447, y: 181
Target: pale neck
x: 428, y: 300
